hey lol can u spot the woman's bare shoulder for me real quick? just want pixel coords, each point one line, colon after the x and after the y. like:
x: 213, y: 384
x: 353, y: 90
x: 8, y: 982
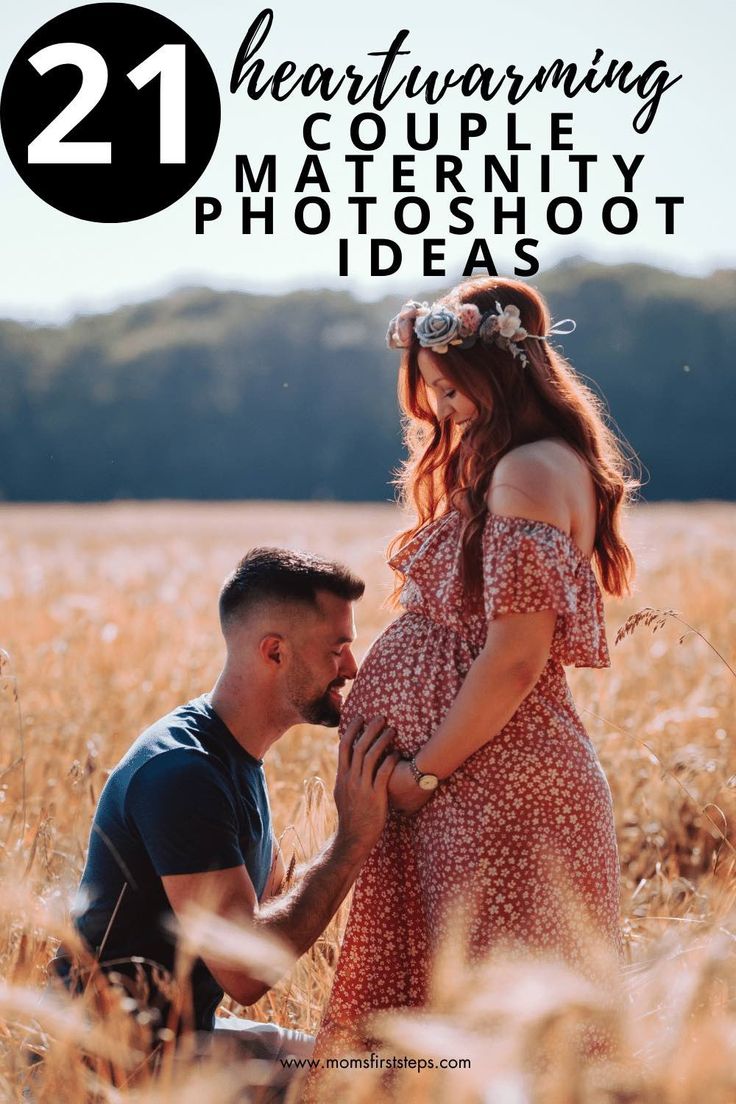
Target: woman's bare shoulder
x: 543, y: 480
x: 531, y: 482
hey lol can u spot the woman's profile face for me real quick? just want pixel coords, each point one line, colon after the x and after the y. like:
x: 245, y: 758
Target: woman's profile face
x: 447, y: 401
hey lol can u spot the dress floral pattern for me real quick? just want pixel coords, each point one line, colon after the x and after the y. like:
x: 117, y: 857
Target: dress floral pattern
x: 524, y: 828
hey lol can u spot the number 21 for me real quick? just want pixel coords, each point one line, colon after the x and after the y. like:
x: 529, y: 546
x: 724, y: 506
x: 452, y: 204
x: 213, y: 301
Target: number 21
x: 168, y: 62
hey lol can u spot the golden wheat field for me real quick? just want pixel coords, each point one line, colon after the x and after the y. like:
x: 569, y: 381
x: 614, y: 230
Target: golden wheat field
x: 108, y: 619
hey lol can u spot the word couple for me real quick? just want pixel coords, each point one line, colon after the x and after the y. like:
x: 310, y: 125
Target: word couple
x: 466, y: 782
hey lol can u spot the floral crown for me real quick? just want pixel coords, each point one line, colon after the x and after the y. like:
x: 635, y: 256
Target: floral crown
x: 462, y: 324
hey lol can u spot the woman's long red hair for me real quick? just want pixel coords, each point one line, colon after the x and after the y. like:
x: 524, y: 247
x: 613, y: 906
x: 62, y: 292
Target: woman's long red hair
x: 445, y: 467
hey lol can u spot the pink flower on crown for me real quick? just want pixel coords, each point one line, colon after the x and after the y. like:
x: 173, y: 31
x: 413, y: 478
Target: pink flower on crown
x: 401, y: 327
x: 468, y: 319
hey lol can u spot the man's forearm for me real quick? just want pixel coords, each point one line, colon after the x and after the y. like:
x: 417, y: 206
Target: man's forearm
x: 302, y: 914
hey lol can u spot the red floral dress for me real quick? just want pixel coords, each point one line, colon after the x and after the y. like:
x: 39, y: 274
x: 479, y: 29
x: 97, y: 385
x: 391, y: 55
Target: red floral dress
x: 524, y: 819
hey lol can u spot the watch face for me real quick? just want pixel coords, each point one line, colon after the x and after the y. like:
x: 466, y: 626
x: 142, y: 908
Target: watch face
x: 429, y: 781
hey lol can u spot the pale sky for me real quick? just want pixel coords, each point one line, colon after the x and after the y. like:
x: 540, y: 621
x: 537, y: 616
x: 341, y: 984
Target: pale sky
x: 54, y: 265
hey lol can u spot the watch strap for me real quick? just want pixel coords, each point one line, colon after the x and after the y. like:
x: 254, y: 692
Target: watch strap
x: 415, y: 769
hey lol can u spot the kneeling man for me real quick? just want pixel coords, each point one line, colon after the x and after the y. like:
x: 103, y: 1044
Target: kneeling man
x: 184, y: 817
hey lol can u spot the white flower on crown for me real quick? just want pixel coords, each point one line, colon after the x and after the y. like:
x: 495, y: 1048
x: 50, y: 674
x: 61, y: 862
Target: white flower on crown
x: 509, y: 323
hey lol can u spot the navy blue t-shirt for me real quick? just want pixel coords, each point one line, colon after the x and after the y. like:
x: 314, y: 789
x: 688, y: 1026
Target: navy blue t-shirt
x: 186, y: 798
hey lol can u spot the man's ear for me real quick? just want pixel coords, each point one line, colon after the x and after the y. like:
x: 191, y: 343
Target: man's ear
x: 272, y: 649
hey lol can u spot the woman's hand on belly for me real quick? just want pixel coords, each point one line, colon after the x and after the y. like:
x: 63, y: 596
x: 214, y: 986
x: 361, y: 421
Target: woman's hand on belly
x: 404, y: 795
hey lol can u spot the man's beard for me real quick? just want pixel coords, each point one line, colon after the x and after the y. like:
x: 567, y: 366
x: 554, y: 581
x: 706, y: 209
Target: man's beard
x: 320, y: 709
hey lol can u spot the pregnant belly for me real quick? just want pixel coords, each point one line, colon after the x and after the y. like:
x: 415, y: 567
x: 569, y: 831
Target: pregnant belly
x: 410, y: 676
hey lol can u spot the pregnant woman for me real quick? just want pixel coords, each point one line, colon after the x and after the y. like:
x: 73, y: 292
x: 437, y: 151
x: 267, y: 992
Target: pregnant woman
x: 501, y: 807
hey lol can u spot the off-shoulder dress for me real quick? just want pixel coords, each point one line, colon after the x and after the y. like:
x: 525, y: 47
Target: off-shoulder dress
x: 522, y: 834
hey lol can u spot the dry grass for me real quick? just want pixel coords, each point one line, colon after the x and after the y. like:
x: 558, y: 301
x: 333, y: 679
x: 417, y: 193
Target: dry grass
x: 108, y: 618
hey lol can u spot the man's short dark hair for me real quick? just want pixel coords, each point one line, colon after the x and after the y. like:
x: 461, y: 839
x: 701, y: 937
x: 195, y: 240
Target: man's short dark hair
x: 280, y: 575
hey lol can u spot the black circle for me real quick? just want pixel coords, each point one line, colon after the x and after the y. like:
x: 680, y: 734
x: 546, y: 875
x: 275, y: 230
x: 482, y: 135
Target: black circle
x: 135, y: 183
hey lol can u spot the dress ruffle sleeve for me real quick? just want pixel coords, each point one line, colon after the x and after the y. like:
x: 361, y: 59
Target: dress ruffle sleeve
x: 529, y: 566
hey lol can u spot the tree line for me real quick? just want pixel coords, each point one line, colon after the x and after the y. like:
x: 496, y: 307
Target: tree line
x: 228, y: 395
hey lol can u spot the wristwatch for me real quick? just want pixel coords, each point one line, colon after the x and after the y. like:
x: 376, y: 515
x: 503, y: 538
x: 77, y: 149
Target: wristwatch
x: 424, y: 781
